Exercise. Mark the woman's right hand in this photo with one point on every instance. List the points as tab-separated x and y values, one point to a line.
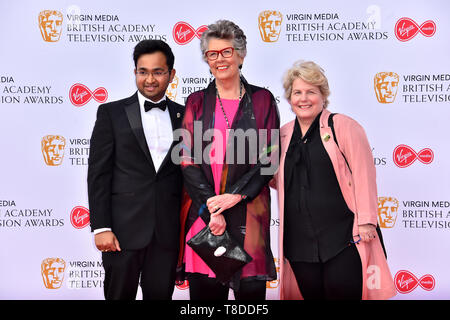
217	224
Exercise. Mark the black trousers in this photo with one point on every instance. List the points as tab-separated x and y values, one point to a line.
153	267
339	278
203	288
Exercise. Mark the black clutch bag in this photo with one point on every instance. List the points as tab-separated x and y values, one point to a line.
221	253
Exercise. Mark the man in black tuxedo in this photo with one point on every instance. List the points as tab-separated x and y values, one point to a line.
134	187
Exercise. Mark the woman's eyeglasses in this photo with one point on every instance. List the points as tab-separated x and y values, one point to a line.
214	54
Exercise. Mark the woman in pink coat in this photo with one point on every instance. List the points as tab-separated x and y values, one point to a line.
329	247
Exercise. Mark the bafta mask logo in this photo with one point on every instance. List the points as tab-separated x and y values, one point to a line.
387	211
50	24
172	89
53	149
269	23
386	85
52	271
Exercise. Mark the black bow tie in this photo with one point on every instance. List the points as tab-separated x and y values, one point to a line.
148	105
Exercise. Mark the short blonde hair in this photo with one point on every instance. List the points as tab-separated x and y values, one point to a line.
309	72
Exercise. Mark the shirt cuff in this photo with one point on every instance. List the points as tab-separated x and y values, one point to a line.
97	231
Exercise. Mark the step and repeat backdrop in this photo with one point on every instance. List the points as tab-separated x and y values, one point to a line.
387	63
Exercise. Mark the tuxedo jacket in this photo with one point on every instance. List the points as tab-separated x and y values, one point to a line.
125	192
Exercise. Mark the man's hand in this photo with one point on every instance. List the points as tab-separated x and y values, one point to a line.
106	241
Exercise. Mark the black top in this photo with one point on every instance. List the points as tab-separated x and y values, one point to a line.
318	224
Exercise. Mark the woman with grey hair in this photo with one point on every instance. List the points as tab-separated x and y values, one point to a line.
329	244
225	193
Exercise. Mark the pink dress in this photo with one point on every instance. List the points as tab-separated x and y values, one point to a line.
193	263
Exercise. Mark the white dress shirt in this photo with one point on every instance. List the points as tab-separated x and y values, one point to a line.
157	129
158	132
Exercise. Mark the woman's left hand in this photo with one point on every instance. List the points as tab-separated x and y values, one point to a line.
218	204
367	232
217	224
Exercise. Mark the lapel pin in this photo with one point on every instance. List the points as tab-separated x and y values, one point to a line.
326	137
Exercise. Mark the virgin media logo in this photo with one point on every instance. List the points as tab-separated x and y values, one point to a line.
79	94
183	32
405	282
404	156
406	29
182	285
79	217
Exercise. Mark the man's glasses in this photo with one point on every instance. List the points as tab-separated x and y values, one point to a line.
155	74
214	54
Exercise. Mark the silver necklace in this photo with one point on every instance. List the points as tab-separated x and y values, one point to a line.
221	106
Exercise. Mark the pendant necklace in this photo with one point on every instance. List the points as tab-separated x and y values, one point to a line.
221	106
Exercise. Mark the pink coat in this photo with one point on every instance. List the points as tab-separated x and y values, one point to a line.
360	193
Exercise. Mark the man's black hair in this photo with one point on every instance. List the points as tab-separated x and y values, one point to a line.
152	46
